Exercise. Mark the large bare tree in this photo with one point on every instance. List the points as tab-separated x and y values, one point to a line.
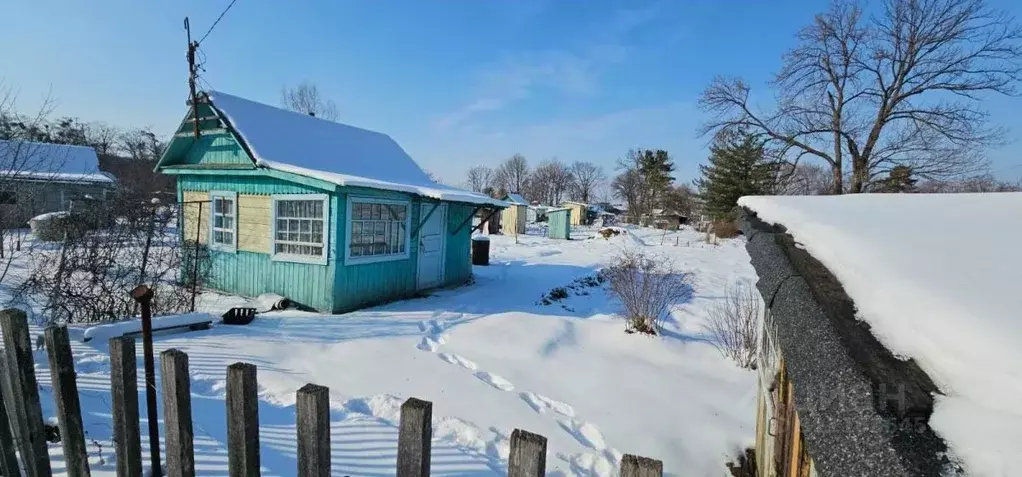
588	177
513	174
479	178
305	98
901	88
550	182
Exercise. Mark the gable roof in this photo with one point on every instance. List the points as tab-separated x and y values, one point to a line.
333	152
28	160
516	199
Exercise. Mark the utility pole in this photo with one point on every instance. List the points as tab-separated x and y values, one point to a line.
192	74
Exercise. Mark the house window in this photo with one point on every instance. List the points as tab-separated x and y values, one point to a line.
378	230
224	220
300	228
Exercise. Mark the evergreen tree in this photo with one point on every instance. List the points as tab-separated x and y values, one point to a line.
899	179
738	167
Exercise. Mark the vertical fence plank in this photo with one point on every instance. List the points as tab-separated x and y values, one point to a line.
8	458
415	434
23	393
124	393
177	414
635	466
313	406
242	420
65	395
528	455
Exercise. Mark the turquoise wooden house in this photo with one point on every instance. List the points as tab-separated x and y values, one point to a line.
559	223
331	216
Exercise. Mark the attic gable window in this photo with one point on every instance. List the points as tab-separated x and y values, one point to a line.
377	230
223	232
300	228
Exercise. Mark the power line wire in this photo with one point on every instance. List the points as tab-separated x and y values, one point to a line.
217	20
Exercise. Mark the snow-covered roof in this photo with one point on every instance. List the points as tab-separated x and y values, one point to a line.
333	152
516	199
50	162
936	276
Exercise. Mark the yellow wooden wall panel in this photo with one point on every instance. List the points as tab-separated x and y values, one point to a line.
189	212
254	223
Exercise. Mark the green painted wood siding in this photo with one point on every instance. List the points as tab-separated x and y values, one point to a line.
559	224
216	149
251	274
458	266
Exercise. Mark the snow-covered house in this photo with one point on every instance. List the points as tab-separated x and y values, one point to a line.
514	216
890	344
331	216
37	178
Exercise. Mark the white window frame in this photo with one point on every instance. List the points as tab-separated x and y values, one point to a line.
348	259
233	246
290	257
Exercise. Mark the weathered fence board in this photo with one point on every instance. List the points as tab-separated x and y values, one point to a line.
177	414
124	397
8	458
313	406
23	394
635	466
414	438
242	421
65	396
528	455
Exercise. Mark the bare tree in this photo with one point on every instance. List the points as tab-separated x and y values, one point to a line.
513	174
550	182
804	179
628	186
305	98
102	137
902	88
479	178
974	184
588	177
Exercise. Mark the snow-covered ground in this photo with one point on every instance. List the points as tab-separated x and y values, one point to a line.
490	357
937	277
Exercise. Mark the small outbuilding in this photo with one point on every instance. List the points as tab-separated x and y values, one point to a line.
513	218
40	178
579	212
559	223
332	216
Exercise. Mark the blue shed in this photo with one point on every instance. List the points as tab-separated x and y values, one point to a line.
559	223
331	216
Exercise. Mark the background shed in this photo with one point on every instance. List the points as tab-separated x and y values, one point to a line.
579	211
513	218
559	223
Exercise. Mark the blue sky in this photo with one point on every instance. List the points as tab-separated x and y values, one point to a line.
456	82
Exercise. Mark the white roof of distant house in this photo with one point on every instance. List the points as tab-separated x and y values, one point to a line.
39	161
516	199
333	152
936	276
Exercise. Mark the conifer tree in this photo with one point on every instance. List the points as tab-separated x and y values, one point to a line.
738	166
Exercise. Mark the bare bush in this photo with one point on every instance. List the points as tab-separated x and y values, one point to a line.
725	229
109	249
733	325
647	287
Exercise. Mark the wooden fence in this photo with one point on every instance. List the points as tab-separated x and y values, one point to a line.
20	407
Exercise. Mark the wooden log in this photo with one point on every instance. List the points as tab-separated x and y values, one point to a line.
8	456
414	439
65	396
124	394
242	421
177	414
528	455
313	406
635	466
23	394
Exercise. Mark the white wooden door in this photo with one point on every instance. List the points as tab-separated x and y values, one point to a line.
432	244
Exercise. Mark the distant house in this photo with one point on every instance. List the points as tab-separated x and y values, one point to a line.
331	216
889	343
37	178
665	219
514	217
579	212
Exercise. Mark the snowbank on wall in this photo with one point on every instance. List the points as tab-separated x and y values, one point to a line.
333	152
937	277
112	330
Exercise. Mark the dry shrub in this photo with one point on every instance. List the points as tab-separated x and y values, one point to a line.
86	277
733	325
726	229
609	232
647	287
